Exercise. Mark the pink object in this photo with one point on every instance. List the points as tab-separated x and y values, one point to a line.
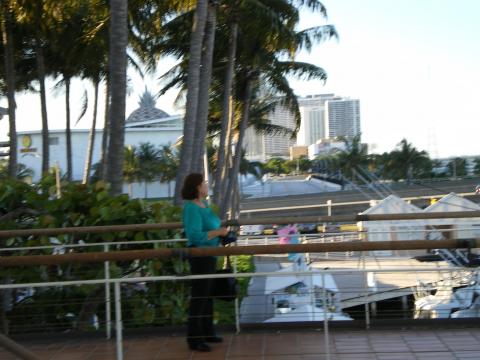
284	234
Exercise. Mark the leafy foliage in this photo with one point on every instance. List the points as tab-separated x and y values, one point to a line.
37	206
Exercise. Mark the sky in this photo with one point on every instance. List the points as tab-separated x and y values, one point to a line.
412	63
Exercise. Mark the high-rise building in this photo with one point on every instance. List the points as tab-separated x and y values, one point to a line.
261	147
342	118
313	125
323	116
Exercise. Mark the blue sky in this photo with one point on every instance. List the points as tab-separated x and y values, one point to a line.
414	65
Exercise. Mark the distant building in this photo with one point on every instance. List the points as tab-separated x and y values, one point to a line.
298	151
313	125
261	147
145	124
342	118
325	147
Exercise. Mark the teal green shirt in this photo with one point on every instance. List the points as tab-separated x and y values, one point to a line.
197	222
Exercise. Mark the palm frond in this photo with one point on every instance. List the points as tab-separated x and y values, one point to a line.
84	107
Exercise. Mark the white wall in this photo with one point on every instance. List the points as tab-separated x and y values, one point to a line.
58	152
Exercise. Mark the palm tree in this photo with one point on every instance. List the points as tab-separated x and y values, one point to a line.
204	93
169	163
68	61
457	167
118	86
95	69
33	16
149	163
353	157
194	63
406	160
225	129
131	168
7	41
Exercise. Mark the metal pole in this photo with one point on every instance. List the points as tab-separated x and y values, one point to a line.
108	305
367	308
118	321
237	312
329	207
325	318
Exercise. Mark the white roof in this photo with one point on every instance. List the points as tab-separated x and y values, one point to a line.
279	282
453	202
306	313
392	205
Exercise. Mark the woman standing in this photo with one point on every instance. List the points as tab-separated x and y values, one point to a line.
202	229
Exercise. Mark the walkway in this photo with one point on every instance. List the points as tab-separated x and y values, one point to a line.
439	344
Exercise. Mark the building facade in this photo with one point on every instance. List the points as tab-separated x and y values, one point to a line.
313	125
261	147
147	124
343	118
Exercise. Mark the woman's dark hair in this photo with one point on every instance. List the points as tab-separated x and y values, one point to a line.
190	186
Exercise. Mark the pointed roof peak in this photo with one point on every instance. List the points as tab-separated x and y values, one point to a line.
146	110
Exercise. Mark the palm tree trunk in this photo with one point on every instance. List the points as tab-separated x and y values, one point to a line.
229	78
41	79
43	104
118	83
238	147
68	132
7	39
204	92
228	161
194	62
91	137
106	125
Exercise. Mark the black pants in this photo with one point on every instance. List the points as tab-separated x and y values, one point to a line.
200	316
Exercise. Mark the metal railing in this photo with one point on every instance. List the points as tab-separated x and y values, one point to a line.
106	256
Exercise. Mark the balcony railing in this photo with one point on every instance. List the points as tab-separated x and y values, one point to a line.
327	289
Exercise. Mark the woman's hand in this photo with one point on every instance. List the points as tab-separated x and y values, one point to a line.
222	231
216	233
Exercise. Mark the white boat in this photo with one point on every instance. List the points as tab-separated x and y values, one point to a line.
448	301
303	297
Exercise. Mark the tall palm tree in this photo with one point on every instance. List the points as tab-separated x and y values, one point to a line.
33	16
193	82
225	128
204	93
7	41
118	86
95	69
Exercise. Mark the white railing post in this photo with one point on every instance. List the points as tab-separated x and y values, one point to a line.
108	305
118	321
367	307
325	317
237	310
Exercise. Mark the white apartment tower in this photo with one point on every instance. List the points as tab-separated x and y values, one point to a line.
313	125
343	118
261	147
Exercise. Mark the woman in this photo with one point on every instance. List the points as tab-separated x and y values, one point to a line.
202	228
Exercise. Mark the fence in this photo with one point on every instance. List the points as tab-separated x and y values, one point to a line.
353	296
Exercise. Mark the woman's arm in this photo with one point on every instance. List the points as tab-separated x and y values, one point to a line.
192	223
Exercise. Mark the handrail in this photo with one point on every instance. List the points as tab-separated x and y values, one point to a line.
281	221
344	203
129	255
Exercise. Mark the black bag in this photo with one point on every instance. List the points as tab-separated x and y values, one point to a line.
226	288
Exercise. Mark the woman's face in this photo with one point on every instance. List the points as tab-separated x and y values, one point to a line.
203	190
